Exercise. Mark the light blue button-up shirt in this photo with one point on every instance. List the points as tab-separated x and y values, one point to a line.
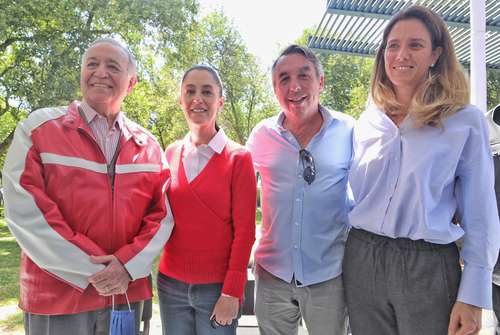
303	226
408	182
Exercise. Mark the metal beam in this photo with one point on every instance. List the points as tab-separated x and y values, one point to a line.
354	27
478	54
340	11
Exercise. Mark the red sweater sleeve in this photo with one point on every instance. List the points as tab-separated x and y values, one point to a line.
243	201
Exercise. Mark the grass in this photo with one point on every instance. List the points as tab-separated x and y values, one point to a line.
154	273
9	266
9	278
14	322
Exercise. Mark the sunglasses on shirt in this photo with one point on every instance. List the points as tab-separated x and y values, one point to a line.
307	160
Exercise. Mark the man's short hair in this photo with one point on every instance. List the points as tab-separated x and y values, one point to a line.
132	64
304	51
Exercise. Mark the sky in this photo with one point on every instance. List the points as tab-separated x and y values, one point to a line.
267	26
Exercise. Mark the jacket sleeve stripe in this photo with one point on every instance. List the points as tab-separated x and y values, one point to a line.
48	158
135	168
42	244
140	265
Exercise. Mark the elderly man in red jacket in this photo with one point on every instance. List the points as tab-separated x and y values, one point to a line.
85	198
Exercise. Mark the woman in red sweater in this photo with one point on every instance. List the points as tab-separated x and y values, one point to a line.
203	269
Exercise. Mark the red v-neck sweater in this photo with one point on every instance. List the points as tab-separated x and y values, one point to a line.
214	219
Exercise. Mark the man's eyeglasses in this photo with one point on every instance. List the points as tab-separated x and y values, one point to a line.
309	168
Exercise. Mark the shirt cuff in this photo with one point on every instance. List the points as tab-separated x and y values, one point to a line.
234	283
475	286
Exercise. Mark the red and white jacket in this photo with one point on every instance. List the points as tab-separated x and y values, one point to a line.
62	207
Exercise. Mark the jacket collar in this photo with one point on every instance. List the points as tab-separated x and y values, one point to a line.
134	131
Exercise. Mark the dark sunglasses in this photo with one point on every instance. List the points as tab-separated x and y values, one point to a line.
309	168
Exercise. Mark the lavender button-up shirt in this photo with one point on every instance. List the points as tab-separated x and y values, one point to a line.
409	182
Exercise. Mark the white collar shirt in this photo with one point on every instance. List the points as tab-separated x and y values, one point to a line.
195	158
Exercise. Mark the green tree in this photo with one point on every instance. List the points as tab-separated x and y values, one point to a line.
214	41
41	43
247	90
493	88
347	82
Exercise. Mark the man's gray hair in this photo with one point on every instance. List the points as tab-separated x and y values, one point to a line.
304	51
132	64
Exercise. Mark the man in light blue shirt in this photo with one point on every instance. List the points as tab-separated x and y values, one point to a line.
303	156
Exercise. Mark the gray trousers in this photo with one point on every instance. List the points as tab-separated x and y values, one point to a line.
87	323
399	286
279	306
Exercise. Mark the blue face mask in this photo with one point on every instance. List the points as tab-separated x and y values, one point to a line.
122	322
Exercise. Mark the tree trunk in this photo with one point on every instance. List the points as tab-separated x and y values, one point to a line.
6	143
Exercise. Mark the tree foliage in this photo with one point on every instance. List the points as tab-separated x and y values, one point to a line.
247	92
42	41
347	82
215	41
493	88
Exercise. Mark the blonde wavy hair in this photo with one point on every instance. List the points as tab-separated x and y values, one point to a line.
444	91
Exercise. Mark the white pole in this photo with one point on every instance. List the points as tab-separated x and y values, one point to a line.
478	53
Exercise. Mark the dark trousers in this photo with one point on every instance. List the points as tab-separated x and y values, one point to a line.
399	286
86	323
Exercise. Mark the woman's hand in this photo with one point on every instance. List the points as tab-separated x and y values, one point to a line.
225	310
465	319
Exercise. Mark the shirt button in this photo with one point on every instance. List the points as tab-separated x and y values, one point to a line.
295	246
296	223
298	199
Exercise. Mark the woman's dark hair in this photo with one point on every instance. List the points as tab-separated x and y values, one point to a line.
205	67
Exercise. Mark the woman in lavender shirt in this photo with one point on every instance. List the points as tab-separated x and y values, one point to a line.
422	157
